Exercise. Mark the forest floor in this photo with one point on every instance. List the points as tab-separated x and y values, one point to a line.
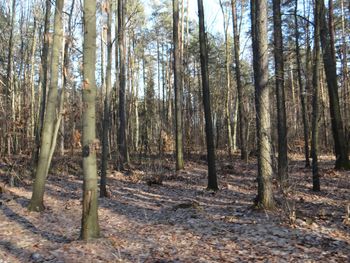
177	220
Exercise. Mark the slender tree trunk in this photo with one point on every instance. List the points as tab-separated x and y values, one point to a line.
32	85
89	226
177	86
345	73
122	135
106	114
9	81
241	113
212	179
260	61
315	99
281	108
37	200
43	80
228	82
327	42
303	96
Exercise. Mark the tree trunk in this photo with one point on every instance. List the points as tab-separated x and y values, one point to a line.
228	82
89	226
327	42
303	96
212	179
260	61
315	99
345	73
36	202
9	81
177	86
122	135
241	113
281	108
43	80
106	114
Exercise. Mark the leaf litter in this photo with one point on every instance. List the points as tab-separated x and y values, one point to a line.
156	215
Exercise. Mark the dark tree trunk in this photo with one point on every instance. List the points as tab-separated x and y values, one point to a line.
212	179
315	99
281	108
303	96
106	114
327	42
122	135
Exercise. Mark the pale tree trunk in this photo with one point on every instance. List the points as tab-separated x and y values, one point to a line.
281	108
303	97
43	81
228	82
47	142
212	179
32	84
241	112
177	86
260	61
315	99
9	81
106	114
327	42
89	226
324	107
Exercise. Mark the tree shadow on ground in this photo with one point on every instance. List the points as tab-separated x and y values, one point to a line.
25	223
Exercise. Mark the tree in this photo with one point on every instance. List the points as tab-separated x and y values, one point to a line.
230	138
315	104
241	113
330	65
89	227
212	179
106	114
47	138
303	96
279	80
9	79
43	76
263	127
177	86
122	134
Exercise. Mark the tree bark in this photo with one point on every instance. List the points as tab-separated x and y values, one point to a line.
106	115
37	202
89	226
280	95
241	113
43	79
9	81
122	135
212	179
315	99
177	86
303	96
327	42
260	61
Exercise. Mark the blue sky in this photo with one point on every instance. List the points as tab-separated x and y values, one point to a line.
212	13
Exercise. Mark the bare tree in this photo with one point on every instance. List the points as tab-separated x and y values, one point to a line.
212	179
263	126
89	224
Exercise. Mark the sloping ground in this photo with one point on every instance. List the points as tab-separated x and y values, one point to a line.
179	221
